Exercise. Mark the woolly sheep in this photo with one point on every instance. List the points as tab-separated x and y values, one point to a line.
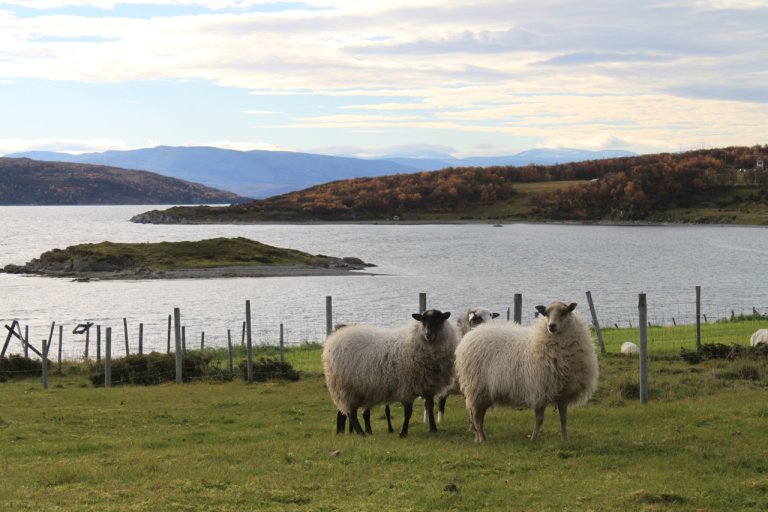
468	320
760	336
628	348
366	365
551	361
342	418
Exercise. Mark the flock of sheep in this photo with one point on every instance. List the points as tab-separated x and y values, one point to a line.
553	361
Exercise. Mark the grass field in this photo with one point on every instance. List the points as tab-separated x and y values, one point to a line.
700	444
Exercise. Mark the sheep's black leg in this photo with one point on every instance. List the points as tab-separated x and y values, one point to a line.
429	403
355	422
441	407
389	419
367	421
341	421
407	412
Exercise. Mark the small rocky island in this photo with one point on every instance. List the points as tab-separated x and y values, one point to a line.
212	258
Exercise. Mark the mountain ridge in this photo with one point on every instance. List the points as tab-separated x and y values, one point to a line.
260	173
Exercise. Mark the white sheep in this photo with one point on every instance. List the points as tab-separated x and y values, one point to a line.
366	365
760	336
629	349
468	320
552	361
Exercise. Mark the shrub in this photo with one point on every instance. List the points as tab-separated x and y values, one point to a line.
264	369
19	366
154	368
710	351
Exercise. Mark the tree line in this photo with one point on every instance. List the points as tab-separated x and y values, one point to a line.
641	186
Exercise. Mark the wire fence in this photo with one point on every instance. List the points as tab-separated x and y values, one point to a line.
671	327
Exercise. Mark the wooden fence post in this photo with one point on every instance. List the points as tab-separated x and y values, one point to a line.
87	340
242	337
328	315
249	341
26	341
61	341
168	343
202	340
45	362
422	302
598	332
125	328
98	344
108	358
229	352
141	338
50	339
518	308
698	318
643	310
282	345
178	354
184	339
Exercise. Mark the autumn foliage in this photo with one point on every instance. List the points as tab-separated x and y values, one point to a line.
642	186
627	188
398	195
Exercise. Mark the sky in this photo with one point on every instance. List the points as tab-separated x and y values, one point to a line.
369	78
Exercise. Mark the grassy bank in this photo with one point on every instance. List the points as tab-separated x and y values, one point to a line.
699	444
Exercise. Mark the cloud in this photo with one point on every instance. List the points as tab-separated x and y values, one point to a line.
240	145
74	146
493	68
588	58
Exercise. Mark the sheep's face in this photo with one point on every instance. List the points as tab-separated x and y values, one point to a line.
557	314
432	320
478	316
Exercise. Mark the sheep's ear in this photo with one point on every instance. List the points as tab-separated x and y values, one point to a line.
542	310
446	315
571	306
494	315
418	317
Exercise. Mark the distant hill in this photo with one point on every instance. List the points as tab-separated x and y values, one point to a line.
262	174
24	181
247	173
718	185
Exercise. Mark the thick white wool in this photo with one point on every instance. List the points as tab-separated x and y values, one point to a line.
366	365
505	363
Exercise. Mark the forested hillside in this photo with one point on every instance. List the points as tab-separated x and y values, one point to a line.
614	189
640	187
31	182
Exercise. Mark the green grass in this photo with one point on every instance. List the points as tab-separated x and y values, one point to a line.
699	444
671	339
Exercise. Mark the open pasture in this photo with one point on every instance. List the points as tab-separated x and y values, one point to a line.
699	444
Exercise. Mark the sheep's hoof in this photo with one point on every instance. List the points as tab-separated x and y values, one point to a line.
403	434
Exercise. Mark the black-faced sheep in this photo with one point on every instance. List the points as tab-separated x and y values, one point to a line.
552	361
467	321
366	365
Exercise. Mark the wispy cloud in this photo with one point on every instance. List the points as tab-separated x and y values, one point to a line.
529	72
73	146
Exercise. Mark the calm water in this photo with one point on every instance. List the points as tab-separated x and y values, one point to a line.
456	265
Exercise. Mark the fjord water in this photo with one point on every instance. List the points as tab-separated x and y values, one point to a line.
457	265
